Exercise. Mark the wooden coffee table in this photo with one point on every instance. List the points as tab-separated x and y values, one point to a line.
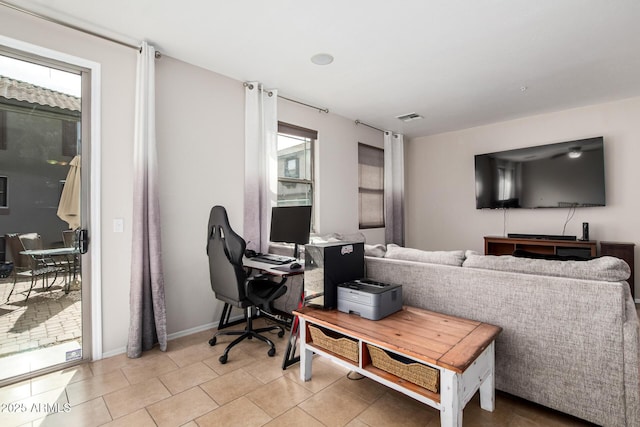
460	350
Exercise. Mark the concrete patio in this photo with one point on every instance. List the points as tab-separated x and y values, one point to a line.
47	318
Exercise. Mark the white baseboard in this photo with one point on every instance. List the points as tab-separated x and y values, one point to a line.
115	352
175	335
190	331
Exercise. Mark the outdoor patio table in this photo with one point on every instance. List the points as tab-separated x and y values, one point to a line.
51	254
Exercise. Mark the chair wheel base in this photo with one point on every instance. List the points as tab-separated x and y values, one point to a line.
223	359
271	352
212	341
280	334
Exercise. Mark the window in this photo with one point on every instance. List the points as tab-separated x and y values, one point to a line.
291	167
3	130
370	186
506	181
4	203
295	165
69	138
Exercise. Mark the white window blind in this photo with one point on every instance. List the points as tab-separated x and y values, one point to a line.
370	186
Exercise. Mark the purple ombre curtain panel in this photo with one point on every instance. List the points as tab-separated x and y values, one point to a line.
147	325
261	164
394	188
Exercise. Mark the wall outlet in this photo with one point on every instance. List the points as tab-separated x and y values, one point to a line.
118	225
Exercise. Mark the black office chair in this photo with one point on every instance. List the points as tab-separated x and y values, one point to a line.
231	284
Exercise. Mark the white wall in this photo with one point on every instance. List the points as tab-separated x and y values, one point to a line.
440	191
200	135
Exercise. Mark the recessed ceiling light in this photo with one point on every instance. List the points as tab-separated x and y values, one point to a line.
322	59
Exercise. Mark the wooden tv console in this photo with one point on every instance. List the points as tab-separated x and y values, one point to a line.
506	246
587	248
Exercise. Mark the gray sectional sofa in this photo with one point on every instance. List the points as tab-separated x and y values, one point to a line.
570	338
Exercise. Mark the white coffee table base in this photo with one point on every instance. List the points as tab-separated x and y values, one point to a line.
456	389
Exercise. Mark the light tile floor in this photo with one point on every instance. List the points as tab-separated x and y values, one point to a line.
187	386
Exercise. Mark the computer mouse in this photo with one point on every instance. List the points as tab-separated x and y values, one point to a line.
294	266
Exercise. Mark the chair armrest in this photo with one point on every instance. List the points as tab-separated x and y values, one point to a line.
260	276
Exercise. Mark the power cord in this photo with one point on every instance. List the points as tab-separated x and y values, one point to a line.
504	222
570	214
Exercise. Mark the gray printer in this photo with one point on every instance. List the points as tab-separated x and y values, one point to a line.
369	299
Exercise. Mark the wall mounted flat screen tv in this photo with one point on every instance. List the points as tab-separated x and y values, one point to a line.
563	175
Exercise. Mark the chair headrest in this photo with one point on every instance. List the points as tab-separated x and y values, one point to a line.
234	243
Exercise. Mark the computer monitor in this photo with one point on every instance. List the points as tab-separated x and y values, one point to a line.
291	224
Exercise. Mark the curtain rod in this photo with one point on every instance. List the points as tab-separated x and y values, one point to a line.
320	110
358	122
270	93
73	27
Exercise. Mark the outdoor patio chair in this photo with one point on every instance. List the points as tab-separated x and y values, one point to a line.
27	266
70	240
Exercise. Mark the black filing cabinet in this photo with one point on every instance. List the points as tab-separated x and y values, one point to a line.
326	266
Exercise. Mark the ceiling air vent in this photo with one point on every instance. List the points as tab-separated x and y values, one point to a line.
409	117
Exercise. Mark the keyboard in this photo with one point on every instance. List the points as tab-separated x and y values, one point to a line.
273	259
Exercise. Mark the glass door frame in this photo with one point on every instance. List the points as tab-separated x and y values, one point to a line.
90	196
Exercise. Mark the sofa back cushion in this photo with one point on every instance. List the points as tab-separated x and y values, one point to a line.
378	250
606	268
433	257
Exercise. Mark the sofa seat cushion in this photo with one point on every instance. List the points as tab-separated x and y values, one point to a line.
432	257
606	268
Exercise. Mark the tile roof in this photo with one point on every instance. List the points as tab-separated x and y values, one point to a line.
23	91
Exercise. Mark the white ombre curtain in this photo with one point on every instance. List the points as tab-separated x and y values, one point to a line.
147	325
261	164
394	188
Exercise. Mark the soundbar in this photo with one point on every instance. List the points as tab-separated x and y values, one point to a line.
540	236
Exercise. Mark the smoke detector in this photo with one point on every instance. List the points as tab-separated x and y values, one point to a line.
322	59
409	117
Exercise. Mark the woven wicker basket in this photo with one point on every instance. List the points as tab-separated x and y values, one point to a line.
417	373
337	343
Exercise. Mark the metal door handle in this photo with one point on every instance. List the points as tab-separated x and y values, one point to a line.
83	241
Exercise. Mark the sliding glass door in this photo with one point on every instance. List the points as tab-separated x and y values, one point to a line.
43	120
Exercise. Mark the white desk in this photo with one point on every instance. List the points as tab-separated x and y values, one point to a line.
281	270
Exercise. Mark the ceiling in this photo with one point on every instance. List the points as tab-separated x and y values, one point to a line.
458	63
